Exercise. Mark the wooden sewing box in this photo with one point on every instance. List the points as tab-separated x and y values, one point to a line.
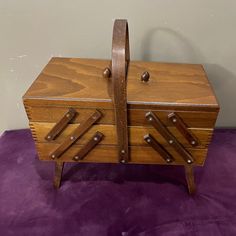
121	111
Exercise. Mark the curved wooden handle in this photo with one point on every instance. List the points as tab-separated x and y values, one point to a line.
120	62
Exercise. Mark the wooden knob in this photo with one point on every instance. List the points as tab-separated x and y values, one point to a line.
106	73
145	76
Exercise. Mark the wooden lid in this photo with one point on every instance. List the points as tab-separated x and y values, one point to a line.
74	81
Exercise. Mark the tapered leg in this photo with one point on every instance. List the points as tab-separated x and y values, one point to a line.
58	174
189	175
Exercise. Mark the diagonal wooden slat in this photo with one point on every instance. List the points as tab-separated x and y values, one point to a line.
159	148
61	124
79	131
97	137
183	129
169	137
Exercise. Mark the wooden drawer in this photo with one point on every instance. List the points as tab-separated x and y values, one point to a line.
136	134
136	117
43	119
108	154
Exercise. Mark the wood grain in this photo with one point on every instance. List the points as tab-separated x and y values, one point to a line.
76	134
91	144
159	148
181	126
82	85
136	134
108	154
135	117
60	125
169	137
120	62
80	80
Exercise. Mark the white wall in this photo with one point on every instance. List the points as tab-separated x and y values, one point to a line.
201	31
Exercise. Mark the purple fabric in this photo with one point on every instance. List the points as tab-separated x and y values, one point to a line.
106	199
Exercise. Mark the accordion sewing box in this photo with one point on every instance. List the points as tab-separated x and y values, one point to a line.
121	111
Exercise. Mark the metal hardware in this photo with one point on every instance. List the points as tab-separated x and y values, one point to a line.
79	131
122	158
106	73
88	146
159	148
148	140
145	76
157	124
61	124
183	129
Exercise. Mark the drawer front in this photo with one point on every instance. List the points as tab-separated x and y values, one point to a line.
108	154
198	124
136	134
193	119
106	150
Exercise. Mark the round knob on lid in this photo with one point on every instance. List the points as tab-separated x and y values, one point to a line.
106	73
145	76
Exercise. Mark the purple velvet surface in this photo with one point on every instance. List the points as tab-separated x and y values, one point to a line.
105	199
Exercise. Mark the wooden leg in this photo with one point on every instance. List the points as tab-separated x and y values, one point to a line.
58	174
190	178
